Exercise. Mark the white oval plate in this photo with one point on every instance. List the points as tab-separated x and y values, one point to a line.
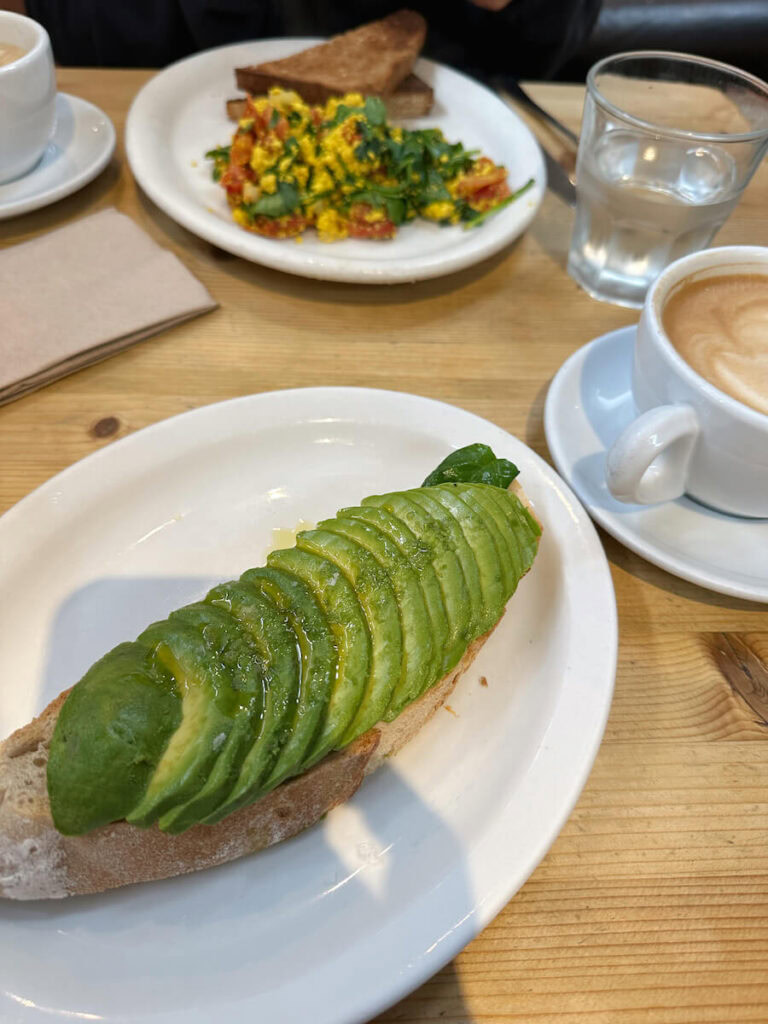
180	114
339	922
81	146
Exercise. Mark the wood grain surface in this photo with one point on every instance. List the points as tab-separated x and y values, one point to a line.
652	905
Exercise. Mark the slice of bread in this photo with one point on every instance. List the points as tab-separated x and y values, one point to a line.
412	98
373	59
37	862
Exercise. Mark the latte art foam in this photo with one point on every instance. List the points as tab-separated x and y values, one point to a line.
719	325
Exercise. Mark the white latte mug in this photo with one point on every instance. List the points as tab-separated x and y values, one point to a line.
27	96
690	437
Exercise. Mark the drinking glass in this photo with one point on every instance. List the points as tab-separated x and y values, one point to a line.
668	143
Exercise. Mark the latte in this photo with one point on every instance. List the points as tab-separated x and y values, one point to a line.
719	325
9	52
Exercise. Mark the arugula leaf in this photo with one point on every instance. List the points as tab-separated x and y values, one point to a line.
219	153
475	463
375	110
289	195
274	117
294	118
396	209
282	202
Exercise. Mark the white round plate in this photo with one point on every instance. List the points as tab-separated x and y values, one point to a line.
180	114
588	405
337	923
82	145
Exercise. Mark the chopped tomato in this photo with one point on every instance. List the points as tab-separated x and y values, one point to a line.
242	146
484	174
234	178
488	196
280	227
379	229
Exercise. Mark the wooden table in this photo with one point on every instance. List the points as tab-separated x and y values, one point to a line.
652	906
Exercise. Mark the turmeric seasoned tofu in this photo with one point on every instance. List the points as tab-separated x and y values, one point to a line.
346	172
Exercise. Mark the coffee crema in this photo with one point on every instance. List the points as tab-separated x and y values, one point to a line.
9	52
719	325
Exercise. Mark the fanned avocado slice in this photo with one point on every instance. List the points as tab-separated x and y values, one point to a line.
418	661
281	673
419	557
453	586
475	525
109	736
208	708
350	632
374	591
232	646
498	523
524	530
308	741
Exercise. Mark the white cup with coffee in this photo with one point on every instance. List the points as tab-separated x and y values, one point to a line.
27	94
700	384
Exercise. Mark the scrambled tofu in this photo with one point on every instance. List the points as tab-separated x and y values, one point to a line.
343	170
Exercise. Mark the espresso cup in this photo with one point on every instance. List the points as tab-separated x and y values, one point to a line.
27	96
690	437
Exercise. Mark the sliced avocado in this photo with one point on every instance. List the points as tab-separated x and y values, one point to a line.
418	661
233	647
350	632
432	535
523	527
208	712
109	736
482	497
277	644
317	651
373	589
497	526
473	525
419	558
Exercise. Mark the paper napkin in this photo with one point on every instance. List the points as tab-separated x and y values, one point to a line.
82	293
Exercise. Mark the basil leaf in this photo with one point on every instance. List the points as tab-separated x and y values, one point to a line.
474	463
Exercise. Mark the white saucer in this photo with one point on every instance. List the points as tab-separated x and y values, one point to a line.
81	147
589	403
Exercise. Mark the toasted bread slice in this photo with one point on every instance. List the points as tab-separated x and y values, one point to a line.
38	862
412	98
372	59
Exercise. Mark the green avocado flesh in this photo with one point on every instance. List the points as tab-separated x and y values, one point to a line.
219	703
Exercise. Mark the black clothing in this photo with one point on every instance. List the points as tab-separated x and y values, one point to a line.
527	39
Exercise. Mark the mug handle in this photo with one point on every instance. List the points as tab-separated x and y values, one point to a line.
649	462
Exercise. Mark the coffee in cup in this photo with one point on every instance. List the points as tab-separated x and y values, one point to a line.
27	94
9	52
719	325
700	387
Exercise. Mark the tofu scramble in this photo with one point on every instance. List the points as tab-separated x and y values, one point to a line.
343	170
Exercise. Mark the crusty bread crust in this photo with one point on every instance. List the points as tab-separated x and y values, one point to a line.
37	862
372	59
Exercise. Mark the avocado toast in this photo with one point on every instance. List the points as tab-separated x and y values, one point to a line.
243	718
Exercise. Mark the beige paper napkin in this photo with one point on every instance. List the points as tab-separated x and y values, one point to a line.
79	294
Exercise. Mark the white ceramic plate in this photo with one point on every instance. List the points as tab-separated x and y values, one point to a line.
180	114
81	147
339	922
589	403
